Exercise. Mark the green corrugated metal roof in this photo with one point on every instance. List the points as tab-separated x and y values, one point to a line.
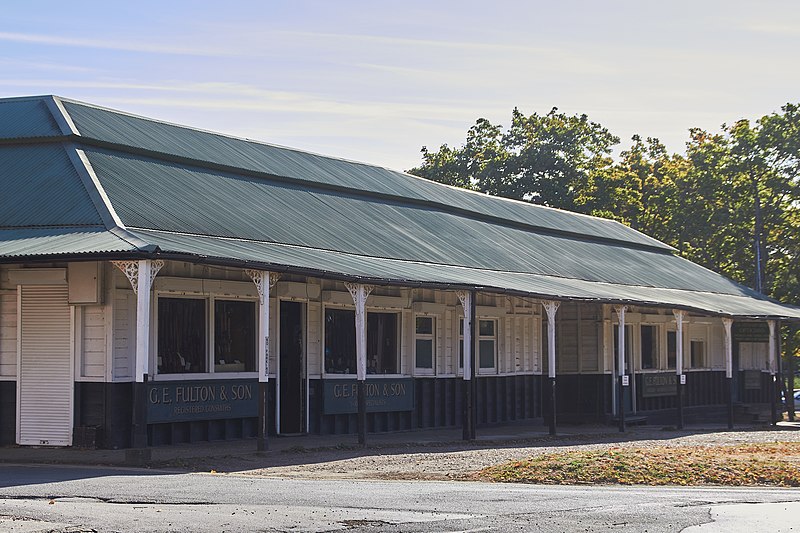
167	197
32	242
127	130
326	262
215	198
26	117
40	187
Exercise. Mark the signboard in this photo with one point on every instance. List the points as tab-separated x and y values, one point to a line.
625	380
661	384
750	332
752	379
184	401
340	396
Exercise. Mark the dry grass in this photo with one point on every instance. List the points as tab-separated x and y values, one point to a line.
775	464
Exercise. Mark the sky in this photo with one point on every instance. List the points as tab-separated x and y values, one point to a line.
375	80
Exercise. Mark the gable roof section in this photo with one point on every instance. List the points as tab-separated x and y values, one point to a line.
41	187
89	180
26	118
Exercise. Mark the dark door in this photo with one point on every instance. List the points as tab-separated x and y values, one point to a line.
292	374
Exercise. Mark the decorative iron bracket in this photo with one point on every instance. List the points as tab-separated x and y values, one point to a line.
131	271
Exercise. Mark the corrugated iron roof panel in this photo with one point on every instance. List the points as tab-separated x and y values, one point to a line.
27	242
168	197
26	117
741	303
123	129
40	187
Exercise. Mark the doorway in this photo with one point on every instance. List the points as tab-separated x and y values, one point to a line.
292	379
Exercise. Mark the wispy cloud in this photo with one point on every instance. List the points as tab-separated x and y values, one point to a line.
49	67
129	46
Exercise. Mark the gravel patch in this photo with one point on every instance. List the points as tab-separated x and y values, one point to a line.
458	460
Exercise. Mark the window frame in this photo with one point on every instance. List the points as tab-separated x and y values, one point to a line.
478	368
432	337
398	341
494	338
209	300
698	332
657	364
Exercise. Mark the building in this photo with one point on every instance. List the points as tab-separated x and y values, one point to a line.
163	284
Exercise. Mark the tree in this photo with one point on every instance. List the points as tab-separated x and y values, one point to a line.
545	159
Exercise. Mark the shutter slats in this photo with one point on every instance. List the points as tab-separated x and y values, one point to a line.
45	380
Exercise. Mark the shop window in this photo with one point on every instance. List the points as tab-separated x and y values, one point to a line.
672	349
340	342
487	343
234	336
424	342
649	338
182	336
698	354
382	354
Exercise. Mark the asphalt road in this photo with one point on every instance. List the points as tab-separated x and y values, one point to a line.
76	499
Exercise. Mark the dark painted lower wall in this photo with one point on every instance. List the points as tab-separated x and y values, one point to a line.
8	412
103	410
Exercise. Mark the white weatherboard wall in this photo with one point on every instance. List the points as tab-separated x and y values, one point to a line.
45	380
90	339
8	334
124	334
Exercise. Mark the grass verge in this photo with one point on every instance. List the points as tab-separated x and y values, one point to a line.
775	464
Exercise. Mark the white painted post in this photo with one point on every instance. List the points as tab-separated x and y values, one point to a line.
620	309
727	323
263	281
465	297
679	315
771	357
140	274
143	320
773	370
360	293
466	305
551	307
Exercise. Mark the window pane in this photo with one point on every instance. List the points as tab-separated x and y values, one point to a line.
672	343
181	335
382	343
698	354
649	346
424	325
461	353
486	328
486	352
234	336
424	353
340	341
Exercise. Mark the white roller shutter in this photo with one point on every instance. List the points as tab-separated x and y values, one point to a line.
45	379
